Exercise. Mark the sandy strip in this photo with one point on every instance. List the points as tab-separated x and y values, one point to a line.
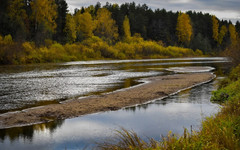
156	87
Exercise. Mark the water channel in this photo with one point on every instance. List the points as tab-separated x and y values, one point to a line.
34	85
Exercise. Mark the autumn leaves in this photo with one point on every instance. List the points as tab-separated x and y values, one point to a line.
184	28
82	26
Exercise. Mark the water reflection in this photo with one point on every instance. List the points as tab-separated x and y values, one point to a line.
27	132
184	109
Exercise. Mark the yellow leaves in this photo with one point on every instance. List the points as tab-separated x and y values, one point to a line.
27	47
233	34
184	28
8	39
16	10
126	28
105	26
45	11
222	34
84	25
215	26
70	28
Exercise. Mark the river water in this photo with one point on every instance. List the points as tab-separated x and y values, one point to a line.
33	85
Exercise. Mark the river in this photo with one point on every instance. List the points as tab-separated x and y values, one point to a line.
27	86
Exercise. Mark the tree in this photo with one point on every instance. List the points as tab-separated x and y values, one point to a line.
18	17
126	28
44	14
215	26
238	27
184	28
62	10
84	25
70	29
201	43
105	26
222	34
233	34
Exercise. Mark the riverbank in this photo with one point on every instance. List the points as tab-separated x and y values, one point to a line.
154	88
93	48
220	131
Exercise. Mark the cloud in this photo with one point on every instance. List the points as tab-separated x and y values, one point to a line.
223	9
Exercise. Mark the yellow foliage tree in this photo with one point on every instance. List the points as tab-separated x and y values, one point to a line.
84	25
215	26
106	27
18	17
126	28
16	11
44	12
222	34
233	34
70	28
184	28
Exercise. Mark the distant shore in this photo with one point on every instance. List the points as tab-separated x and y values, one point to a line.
155	88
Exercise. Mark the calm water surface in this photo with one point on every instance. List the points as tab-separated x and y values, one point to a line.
27	86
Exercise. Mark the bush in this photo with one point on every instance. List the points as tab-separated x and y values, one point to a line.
229	87
8	39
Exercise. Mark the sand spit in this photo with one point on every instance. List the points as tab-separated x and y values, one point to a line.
154	88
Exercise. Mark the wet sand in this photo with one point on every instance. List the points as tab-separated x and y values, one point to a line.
154	88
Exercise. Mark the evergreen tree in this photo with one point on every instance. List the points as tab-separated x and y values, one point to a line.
62	10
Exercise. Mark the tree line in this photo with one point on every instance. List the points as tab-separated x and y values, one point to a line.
45	21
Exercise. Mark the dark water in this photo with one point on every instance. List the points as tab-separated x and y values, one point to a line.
185	109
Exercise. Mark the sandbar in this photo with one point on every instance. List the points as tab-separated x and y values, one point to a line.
154	88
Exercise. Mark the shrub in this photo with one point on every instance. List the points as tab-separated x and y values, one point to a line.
8	39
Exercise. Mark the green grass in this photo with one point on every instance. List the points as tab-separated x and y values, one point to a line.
218	132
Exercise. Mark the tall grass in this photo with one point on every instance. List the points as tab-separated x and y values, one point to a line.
218	132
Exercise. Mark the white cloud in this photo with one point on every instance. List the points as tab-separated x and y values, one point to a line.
179	1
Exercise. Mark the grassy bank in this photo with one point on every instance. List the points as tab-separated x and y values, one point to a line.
89	49
221	131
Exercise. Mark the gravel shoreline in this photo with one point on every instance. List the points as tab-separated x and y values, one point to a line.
154	88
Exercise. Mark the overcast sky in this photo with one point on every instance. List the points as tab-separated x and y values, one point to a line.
223	9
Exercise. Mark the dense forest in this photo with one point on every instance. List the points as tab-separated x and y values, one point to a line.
33	31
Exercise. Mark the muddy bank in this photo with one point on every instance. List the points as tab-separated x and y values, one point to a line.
156	87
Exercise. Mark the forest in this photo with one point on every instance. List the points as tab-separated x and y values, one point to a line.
36	31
